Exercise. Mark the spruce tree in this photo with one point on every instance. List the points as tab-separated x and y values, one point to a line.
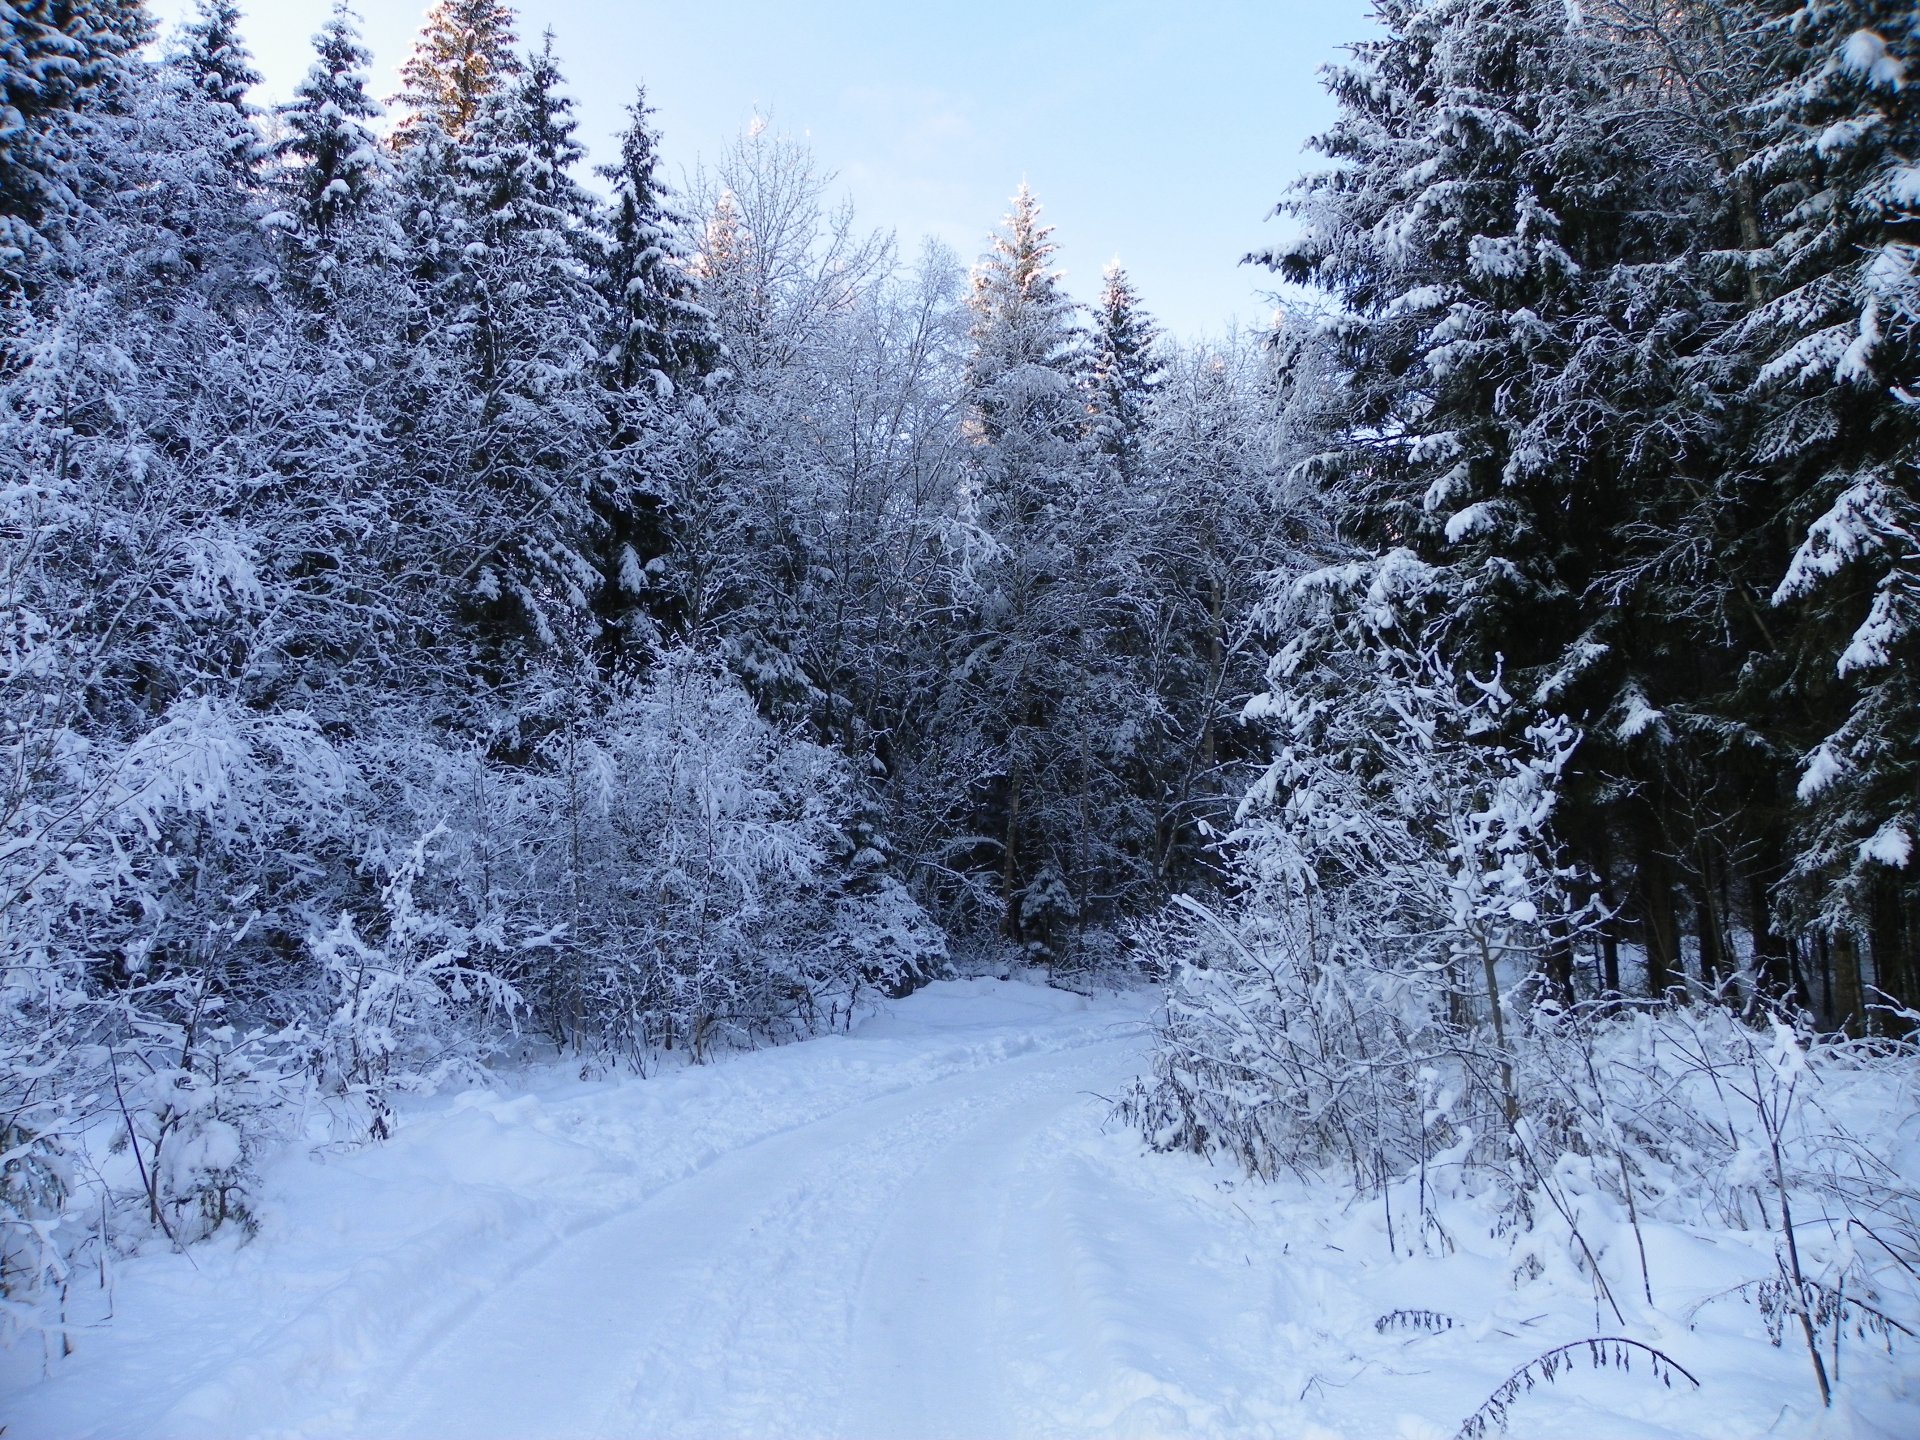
525	319
1540	252
1839	440
659	341
661	335
1041	677
1123	367
57	60
331	161
216	60
464	53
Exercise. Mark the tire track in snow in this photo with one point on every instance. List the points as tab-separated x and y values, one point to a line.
844	1277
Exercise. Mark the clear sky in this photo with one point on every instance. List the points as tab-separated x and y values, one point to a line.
1154	131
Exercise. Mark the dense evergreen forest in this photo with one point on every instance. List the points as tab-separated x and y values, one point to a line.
457	601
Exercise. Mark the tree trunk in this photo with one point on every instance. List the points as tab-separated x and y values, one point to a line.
1010	864
1848	1012
1659	925
1771	962
1892	943
1708	927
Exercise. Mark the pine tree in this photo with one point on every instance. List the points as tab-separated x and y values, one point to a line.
1042	677
659	340
332	162
464	53
661	335
1840	437
526	319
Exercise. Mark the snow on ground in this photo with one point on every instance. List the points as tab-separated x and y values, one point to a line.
925	1229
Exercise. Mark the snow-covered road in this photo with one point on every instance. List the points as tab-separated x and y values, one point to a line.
875	1235
848	1276
925	1229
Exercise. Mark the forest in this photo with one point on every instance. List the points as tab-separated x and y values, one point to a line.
463	604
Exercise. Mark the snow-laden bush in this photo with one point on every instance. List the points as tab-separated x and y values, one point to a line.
1390	1002
199	1098
395	1021
710	878
1402	886
1584	1124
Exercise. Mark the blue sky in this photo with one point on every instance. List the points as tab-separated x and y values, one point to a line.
1157	133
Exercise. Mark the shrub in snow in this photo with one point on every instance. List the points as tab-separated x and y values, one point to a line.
395	999
1391	998
1590	1122
710	877
198	1100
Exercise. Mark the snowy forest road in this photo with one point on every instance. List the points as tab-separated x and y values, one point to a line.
922	1229
850	1276
928	1229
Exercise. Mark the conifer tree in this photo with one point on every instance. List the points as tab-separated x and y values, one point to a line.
659	339
1123	366
546	127
1528	337
1839	398
332	162
526	320
661	335
57	58
1041	676
464	53
216	60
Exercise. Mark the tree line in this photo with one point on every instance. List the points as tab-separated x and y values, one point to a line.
1624	313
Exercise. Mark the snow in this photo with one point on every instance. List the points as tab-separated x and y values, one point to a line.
927	1228
1641	715
1822	769
1865	53
1891	845
1470	521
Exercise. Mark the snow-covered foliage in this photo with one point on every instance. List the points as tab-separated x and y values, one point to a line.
1583	869
313	791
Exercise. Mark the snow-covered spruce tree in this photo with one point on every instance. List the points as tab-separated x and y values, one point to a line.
464	53
507	427
660	335
215	59
59	61
660	347
1534	241
1840	400
1444	238
1123	365
1034	649
330	162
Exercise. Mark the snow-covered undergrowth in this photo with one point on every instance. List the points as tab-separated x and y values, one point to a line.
929	1227
1674	1181
678	875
